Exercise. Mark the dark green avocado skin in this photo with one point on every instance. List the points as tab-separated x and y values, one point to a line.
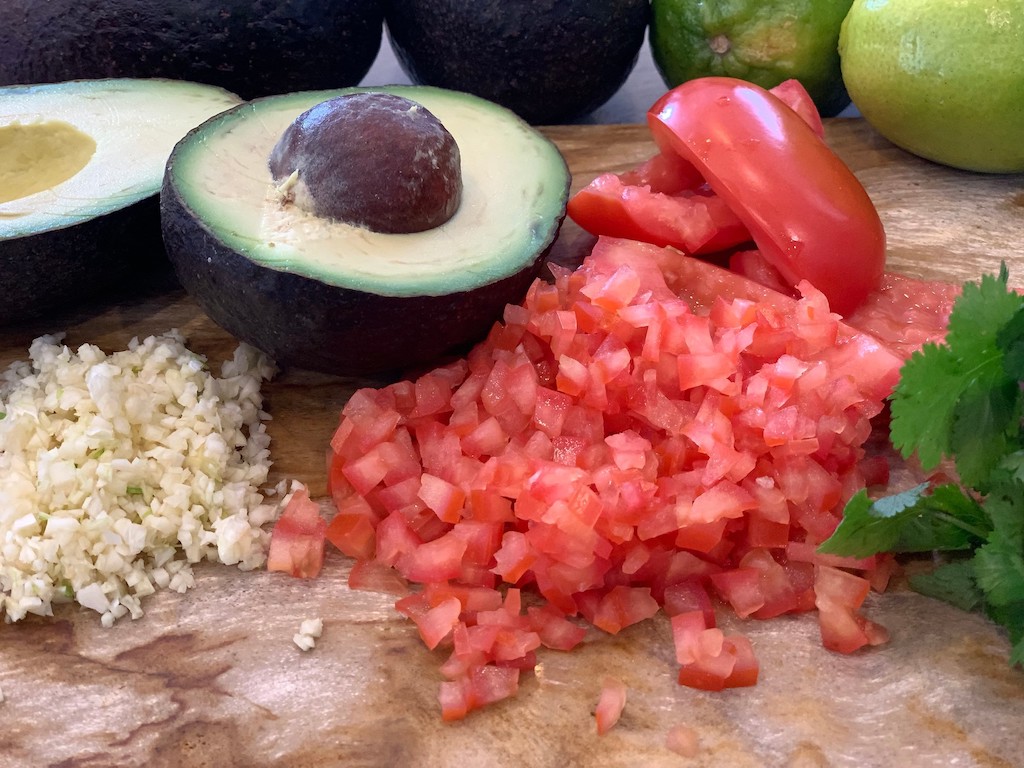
550	61
52	271
250	47
311	325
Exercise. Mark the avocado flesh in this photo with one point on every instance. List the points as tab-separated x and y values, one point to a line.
80	166
40	156
132	124
512	199
318	294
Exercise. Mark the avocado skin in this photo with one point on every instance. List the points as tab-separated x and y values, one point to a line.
550	61
318	327
54	270
250	47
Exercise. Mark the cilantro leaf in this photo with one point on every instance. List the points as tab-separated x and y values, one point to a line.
911	521
999	570
961	400
1010	340
923	402
986	420
1011	617
953	583
865	530
934	379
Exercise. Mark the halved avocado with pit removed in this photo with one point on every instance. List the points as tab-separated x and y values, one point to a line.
320	292
80	167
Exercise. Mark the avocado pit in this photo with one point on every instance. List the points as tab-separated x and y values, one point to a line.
374	160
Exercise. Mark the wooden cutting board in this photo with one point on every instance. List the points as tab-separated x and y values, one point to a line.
211	678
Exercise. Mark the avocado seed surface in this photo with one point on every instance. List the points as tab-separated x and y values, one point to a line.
373	160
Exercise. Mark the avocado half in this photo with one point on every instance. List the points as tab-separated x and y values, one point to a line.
80	167
319	294
249	47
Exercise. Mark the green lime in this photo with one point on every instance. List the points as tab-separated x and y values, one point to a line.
763	41
943	79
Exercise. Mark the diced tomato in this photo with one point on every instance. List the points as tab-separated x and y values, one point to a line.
709	659
610	703
683	740
443	498
435	622
374	576
554	629
641	431
622	606
297	541
839	596
437	560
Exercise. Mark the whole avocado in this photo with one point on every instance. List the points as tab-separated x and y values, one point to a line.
252	48
550	61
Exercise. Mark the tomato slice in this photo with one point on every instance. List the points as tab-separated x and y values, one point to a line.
666	173
793	94
809	215
297	541
690	221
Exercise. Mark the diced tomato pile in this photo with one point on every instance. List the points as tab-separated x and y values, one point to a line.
648	432
617	450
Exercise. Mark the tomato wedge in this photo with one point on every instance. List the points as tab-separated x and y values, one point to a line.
692	222
809	215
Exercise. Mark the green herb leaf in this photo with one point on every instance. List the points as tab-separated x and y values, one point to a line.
986	420
953	583
961	400
911	521
867	528
999	570
1011	617
933	381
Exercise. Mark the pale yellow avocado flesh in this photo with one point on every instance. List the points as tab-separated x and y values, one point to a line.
39	156
71	151
513	196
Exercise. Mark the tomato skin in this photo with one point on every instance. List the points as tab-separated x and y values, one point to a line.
796	97
809	215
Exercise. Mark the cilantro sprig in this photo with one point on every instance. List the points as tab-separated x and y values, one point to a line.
960	400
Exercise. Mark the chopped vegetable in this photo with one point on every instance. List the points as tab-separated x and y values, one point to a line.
610	703
309	631
960	400
683	740
809	215
736	164
119	471
297	541
616	450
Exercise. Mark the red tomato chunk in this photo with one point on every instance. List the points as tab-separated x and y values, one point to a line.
297	542
616	450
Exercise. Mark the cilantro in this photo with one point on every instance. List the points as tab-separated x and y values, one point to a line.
961	400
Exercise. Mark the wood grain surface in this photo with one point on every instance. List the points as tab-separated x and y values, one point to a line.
211	678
